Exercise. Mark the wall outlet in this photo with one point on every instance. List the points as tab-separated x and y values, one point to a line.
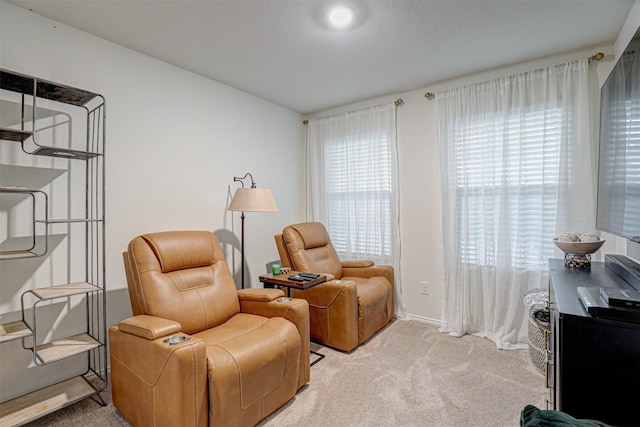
424	288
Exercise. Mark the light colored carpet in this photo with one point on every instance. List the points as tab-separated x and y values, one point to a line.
409	374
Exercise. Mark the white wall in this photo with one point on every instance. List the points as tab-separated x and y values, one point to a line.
420	200
175	140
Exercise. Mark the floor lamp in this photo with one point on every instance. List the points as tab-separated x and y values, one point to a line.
250	200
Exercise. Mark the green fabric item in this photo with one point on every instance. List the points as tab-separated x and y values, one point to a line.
534	417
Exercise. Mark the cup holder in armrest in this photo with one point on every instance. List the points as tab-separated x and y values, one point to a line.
176	339
283	299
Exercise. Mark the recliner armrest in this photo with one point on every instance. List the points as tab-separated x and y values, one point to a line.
260	294
149	327
384	270
357	264
273	303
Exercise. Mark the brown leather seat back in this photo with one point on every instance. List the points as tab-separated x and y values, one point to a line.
310	249
285	258
182	276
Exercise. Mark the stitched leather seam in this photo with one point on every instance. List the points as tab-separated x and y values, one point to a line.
162	367
284	341
240	371
289	308
194	372
135	287
175	285
330	302
204	310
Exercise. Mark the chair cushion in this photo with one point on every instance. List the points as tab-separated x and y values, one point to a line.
531	416
197	297
313	234
180	250
311	250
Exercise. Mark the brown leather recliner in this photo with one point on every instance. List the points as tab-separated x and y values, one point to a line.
356	301
197	351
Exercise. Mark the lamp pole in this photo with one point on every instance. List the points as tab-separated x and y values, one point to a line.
253	185
250	200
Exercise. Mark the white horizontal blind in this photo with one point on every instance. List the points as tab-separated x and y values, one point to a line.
358	184
507	178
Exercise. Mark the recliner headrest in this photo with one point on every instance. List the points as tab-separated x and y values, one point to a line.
314	234
179	250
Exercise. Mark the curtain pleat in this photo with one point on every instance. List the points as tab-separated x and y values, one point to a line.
517	170
352	185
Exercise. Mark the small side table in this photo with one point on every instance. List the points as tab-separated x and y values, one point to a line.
281	280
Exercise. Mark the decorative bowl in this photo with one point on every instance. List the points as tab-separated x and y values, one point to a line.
578	247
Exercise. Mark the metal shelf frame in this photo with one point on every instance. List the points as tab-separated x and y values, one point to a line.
88	294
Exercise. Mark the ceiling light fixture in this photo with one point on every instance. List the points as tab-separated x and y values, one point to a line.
340	16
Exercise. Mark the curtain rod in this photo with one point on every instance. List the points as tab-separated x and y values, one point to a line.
398	102
597	57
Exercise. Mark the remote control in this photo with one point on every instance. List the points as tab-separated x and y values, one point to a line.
296	278
310	275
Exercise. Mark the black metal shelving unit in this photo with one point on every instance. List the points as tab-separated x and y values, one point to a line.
89	291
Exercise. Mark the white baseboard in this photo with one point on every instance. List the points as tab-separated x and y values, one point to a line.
435	322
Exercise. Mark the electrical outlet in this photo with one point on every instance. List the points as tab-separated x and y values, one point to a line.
424	288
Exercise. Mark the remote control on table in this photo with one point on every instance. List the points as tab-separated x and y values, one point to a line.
296	278
310	275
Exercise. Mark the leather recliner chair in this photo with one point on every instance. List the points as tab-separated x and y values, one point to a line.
197	351
356	301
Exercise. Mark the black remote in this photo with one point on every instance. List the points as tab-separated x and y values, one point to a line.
296	278
310	275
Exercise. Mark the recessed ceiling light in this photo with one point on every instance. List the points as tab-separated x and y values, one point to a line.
340	16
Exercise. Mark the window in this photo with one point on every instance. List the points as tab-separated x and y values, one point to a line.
353	180
506	175
358	202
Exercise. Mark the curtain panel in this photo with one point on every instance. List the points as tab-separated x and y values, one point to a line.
352	185
516	157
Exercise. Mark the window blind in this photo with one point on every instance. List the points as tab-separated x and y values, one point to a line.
507	177
358	201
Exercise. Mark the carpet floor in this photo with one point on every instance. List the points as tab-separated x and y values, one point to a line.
409	374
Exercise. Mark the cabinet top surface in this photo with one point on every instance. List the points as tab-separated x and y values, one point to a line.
564	281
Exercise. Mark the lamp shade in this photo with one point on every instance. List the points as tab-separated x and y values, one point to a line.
253	200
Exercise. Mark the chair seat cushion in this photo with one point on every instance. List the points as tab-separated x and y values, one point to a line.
252	351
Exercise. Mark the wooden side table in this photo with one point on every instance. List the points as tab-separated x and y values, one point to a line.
281	280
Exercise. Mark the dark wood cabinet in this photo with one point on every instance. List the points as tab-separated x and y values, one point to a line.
594	363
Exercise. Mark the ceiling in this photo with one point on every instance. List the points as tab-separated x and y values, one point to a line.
283	51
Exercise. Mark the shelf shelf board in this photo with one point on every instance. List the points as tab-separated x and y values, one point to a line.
15	135
17	255
67	221
44	401
65	153
60	291
66	347
21	83
21	190
30	176
13	331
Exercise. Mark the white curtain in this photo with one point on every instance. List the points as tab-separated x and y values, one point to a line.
517	170
352	185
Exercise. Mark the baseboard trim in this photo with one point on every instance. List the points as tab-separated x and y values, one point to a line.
424	319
